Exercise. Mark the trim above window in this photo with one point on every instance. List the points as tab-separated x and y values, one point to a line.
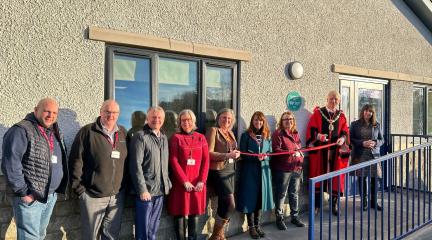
167	44
338	68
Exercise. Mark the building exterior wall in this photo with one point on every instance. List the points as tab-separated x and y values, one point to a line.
45	51
402	107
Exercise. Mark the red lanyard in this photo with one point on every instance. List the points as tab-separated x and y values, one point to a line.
113	144
50	140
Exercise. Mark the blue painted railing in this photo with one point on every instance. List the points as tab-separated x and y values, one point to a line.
406	204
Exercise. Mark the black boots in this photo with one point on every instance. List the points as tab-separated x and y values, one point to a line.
373	201
280	223
180	223
335	207
192	227
296	221
180	227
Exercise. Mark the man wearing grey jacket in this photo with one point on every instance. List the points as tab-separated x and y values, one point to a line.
148	156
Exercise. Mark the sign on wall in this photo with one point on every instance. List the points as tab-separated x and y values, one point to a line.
293	101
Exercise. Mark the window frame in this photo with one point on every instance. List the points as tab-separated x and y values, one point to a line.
425	89
154	55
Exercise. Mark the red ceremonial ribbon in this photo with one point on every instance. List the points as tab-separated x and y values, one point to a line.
289	153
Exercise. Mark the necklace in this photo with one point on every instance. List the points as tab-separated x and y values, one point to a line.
331	120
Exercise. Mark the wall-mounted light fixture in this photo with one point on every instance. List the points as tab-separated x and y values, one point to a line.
295	70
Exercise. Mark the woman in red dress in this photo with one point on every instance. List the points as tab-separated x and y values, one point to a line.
189	162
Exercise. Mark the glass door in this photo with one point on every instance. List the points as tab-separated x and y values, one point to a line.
355	94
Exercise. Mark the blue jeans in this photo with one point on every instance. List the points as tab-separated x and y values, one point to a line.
147	217
32	219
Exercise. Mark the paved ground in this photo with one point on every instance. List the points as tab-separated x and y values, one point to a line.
362	225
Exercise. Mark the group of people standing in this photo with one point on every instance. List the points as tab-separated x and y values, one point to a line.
103	156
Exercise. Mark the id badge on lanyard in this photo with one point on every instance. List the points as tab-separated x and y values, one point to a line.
191	162
114	153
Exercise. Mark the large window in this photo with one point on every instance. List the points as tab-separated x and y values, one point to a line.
138	79
422	110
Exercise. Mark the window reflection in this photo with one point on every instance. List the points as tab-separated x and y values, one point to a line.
429	112
131	86
418	110
219	92
374	98
178	89
345	102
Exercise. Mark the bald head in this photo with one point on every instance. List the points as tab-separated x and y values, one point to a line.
109	113
46	112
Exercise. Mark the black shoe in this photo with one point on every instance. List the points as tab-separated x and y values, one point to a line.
259	230
365	205
280	223
297	222
335	209
376	206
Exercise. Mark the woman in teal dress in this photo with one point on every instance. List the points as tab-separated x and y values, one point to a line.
254	192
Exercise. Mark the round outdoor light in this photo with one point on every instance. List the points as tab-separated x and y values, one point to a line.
295	70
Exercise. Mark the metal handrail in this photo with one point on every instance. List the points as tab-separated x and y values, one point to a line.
387	159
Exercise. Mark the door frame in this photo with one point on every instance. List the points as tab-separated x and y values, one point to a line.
385	124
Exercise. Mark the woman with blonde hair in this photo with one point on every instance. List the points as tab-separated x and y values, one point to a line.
189	162
223	154
254	192
366	139
287	169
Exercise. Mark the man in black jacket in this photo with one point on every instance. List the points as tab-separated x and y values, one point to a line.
97	163
34	162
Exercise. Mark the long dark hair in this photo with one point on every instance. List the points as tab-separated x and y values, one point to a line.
265	128
368	107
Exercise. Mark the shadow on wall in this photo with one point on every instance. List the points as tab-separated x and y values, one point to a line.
413	19
6	223
3	130
302	118
272	121
68	125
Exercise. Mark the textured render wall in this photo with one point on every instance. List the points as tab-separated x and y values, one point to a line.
44	52
402	107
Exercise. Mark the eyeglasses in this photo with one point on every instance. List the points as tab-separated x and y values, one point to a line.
109	113
288	119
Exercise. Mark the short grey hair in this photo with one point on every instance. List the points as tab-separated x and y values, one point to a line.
107	102
226	110
155	109
186	112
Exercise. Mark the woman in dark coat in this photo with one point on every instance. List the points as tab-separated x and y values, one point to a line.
366	139
254	192
189	162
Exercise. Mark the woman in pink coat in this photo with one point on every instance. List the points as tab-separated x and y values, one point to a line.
189	162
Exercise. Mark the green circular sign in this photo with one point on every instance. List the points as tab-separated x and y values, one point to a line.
294	101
